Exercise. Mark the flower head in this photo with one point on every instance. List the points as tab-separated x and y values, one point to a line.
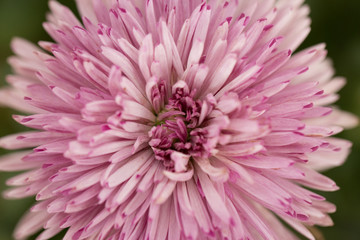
174	120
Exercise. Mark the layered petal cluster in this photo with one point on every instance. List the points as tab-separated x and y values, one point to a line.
174	119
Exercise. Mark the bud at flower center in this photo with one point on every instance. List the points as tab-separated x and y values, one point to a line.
180	126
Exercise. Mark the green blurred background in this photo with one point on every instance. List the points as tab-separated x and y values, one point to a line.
334	22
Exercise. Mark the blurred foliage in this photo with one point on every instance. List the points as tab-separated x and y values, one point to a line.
334	22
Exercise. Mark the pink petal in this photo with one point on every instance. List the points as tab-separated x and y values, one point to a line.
213	198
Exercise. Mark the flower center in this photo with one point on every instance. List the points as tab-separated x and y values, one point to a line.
180	129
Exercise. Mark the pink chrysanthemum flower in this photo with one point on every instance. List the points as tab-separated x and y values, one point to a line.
175	119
